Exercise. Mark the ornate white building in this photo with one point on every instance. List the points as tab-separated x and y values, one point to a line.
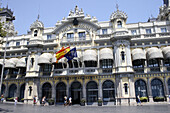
116	61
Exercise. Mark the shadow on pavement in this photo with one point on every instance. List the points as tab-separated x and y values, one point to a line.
5	110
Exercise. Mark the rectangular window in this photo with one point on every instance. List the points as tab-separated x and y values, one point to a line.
133	32
17	43
48	37
70	36
82	35
104	31
148	31
163	30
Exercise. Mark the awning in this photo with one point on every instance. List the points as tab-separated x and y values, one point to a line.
90	55
166	52
106	53
21	62
63	60
138	54
45	58
153	53
11	63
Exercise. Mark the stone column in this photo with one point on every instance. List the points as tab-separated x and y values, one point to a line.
130	91
121	87
84	88
53	91
6	90
67	92
98	58
149	90
166	91
18	90
128	57
100	89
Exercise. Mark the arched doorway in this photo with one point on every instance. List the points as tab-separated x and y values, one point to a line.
22	91
169	85
12	91
108	91
157	88
92	92
141	88
47	90
3	89
60	92
76	92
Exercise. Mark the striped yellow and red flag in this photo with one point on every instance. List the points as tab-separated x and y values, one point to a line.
60	54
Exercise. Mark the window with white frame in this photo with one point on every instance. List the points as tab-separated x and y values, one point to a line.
17	43
119	24
82	35
133	32
48	37
104	31
163	30
148	31
70	36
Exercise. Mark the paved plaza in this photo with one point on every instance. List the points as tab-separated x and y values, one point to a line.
11	108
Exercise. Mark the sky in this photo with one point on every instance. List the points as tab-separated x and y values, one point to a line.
51	11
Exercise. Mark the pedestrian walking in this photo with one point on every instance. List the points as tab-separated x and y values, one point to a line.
65	100
2	98
43	101
70	101
138	100
15	101
35	100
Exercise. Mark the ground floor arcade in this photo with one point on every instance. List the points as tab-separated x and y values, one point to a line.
112	89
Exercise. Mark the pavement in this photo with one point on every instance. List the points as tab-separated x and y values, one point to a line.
24	108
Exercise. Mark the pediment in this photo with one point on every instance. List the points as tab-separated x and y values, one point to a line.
82	24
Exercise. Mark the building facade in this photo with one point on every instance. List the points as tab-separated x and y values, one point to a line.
115	61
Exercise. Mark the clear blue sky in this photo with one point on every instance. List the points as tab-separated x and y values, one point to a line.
51	11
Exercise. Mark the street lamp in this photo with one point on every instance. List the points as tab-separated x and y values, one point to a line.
3	64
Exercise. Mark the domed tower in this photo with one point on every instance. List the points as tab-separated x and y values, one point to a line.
118	20
122	57
164	10
35	47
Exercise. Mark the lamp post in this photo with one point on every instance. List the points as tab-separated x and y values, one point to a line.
3	65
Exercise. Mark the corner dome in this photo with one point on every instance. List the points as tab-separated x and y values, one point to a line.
118	15
37	24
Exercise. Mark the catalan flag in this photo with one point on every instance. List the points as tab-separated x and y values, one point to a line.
60	54
71	54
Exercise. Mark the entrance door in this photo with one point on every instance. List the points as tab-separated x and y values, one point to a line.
76	92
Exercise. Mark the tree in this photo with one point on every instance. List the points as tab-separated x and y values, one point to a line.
3	33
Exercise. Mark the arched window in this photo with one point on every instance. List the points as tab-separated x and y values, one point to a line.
169	85
108	91
126	88
157	88
92	92
60	92
22	90
35	33
119	24
12	91
123	55
47	90
141	88
76	92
